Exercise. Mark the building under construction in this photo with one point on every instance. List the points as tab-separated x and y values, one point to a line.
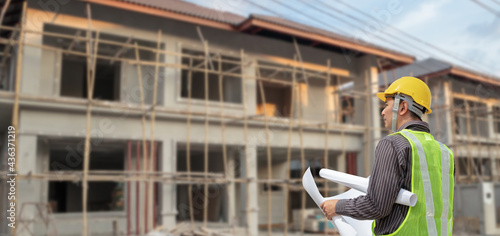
141	115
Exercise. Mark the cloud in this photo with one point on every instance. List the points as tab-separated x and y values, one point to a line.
422	16
485	29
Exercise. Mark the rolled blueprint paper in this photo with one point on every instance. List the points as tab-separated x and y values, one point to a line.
363	227
312	189
351	181
404	197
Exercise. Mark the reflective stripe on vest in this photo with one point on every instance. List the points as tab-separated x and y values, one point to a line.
429	201
445	165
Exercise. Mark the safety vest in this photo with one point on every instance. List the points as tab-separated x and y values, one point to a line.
432	180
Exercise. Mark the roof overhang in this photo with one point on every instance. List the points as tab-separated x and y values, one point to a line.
398	58
474	76
463	73
163	13
348	44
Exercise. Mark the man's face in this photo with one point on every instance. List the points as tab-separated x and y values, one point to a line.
387	113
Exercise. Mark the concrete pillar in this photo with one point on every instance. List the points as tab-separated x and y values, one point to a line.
168	191
251	194
491	124
27	191
489	209
492	135
32	57
250	88
449	119
172	76
367	110
341	166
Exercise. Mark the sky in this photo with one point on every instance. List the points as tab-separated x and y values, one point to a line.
460	32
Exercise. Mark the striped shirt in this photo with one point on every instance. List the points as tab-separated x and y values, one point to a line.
390	173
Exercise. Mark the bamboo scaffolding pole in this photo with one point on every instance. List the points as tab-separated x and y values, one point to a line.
454	130
289	148
143	225
302	155
342	133
138	177
91	65
155	164
129	196
146	189
138	188
205	147
15	108
470	160
223	136
478	147
245	135
327	124
188	145
268	152
327	135
301	131
153	126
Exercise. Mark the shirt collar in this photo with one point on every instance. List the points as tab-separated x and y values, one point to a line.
415	124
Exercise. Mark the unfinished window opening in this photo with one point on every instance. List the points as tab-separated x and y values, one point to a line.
278	100
66	196
347	109
279	95
497	168
463	166
74	79
483	166
7	69
475	167
109	66
496	119
217	212
471	116
231	80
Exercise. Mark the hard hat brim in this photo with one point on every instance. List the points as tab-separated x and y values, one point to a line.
381	96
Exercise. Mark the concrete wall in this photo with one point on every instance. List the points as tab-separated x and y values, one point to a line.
277	197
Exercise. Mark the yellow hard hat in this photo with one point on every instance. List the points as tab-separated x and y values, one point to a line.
412	87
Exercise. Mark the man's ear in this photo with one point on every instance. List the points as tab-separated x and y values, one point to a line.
404	108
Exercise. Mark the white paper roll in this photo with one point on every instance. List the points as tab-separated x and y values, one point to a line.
351	181
311	188
404	197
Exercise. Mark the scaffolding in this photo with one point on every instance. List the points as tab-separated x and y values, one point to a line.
149	176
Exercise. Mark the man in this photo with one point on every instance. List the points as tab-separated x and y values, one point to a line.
408	159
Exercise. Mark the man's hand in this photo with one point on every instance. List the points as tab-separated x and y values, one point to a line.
328	208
